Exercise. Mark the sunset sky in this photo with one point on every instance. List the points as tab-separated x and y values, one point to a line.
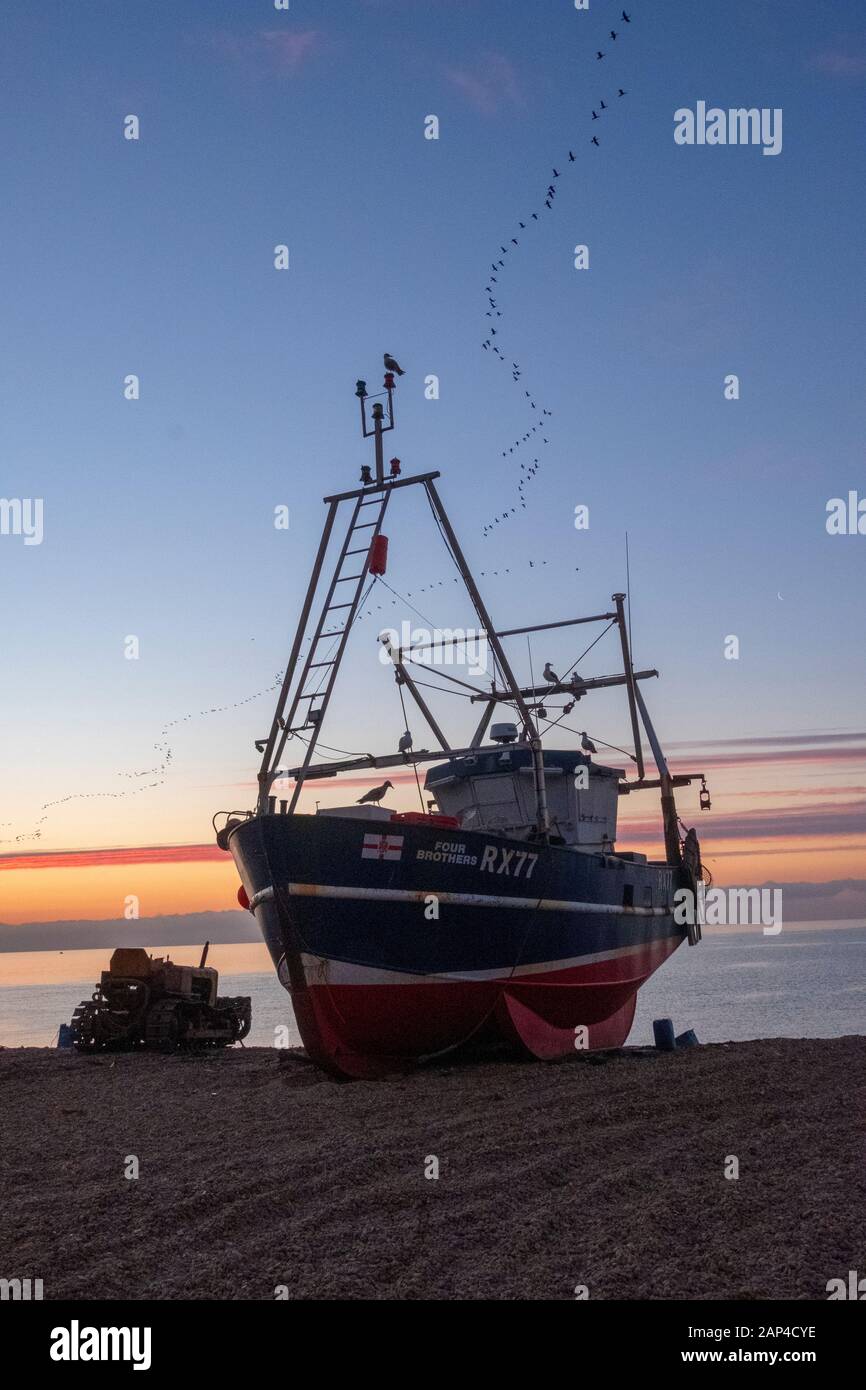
156	257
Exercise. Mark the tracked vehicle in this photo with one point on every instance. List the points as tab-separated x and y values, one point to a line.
141	1002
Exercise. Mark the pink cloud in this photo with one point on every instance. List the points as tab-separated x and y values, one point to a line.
289	50
491	84
281	50
131	854
841	62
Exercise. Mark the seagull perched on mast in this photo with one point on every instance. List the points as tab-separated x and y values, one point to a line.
550	675
374	794
392	365
587	744
405	744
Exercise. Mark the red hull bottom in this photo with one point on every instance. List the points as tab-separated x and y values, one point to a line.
370	1029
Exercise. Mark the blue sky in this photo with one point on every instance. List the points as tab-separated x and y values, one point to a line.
259	127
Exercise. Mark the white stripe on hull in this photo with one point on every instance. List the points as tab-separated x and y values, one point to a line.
419	895
321	970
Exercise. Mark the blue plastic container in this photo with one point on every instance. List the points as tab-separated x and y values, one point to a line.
688	1039
64	1036
663	1034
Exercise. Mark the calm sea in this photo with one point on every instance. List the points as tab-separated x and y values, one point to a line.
808	982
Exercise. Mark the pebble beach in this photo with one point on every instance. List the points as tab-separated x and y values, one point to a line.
608	1176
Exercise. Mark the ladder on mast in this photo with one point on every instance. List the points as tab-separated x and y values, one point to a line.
318	671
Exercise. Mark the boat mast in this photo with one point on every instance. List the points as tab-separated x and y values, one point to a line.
532	734
669	806
628	670
375	492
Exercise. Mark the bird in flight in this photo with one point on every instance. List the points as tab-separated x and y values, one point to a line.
375	793
392	365
621	93
535	216
599	55
523	225
603	105
594	140
570	157
587	744
549	674
556	173
595	115
626	17
613	35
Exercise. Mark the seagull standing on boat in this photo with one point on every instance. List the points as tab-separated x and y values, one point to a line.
587	744
392	365
374	794
549	674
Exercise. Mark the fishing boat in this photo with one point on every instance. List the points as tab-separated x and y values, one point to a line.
502	912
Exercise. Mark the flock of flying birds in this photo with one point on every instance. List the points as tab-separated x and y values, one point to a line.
537	429
528	472
159	772
440	583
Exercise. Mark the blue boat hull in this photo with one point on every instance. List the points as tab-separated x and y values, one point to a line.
400	940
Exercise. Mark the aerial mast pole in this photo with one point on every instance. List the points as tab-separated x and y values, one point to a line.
377	413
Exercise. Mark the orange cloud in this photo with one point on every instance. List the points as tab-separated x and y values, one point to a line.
102	891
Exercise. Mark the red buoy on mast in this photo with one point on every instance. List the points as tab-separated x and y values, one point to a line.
379	555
